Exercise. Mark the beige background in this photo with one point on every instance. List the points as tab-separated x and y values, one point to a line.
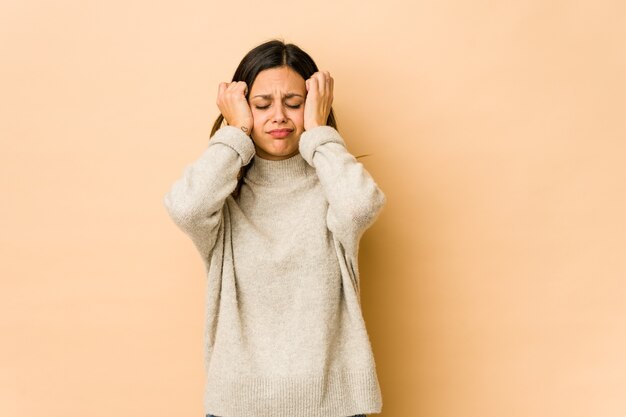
493	282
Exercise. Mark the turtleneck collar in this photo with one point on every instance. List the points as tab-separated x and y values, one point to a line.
268	172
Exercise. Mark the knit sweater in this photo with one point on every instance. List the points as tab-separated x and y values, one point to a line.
284	331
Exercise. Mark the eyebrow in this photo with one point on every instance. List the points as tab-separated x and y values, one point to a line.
269	96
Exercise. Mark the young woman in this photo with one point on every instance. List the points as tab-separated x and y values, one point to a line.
276	207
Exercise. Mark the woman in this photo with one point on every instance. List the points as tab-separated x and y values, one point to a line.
276	207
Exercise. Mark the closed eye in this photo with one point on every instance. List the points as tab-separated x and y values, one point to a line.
297	106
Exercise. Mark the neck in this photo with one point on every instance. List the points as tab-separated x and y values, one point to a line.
284	171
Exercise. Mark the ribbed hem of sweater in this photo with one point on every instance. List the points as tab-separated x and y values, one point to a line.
337	394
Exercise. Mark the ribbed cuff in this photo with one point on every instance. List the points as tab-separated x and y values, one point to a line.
237	140
311	139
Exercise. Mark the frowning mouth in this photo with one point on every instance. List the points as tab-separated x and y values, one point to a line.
280	133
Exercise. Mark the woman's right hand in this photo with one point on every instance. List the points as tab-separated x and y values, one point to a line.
231	100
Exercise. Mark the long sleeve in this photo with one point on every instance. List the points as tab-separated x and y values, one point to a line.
353	197
195	201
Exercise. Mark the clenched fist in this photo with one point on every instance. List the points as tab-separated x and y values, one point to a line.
231	100
319	99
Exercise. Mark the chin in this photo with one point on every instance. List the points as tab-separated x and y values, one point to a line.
277	149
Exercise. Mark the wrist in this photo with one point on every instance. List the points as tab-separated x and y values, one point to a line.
312	126
241	126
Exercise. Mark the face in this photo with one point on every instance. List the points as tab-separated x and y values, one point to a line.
277	102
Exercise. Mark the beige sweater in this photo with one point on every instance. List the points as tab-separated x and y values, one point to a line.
285	335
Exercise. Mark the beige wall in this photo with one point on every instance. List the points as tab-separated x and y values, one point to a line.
493	282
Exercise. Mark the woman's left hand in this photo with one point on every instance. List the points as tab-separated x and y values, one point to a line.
318	100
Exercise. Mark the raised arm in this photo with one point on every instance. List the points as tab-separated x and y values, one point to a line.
195	201
353	197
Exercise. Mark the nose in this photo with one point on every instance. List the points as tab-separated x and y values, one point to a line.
279	114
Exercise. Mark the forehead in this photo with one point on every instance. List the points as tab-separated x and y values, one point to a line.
280	79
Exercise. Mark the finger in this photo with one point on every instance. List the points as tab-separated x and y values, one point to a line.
237	89
321	83
329	86
243	87
316	77
235	85
221	88
313	85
